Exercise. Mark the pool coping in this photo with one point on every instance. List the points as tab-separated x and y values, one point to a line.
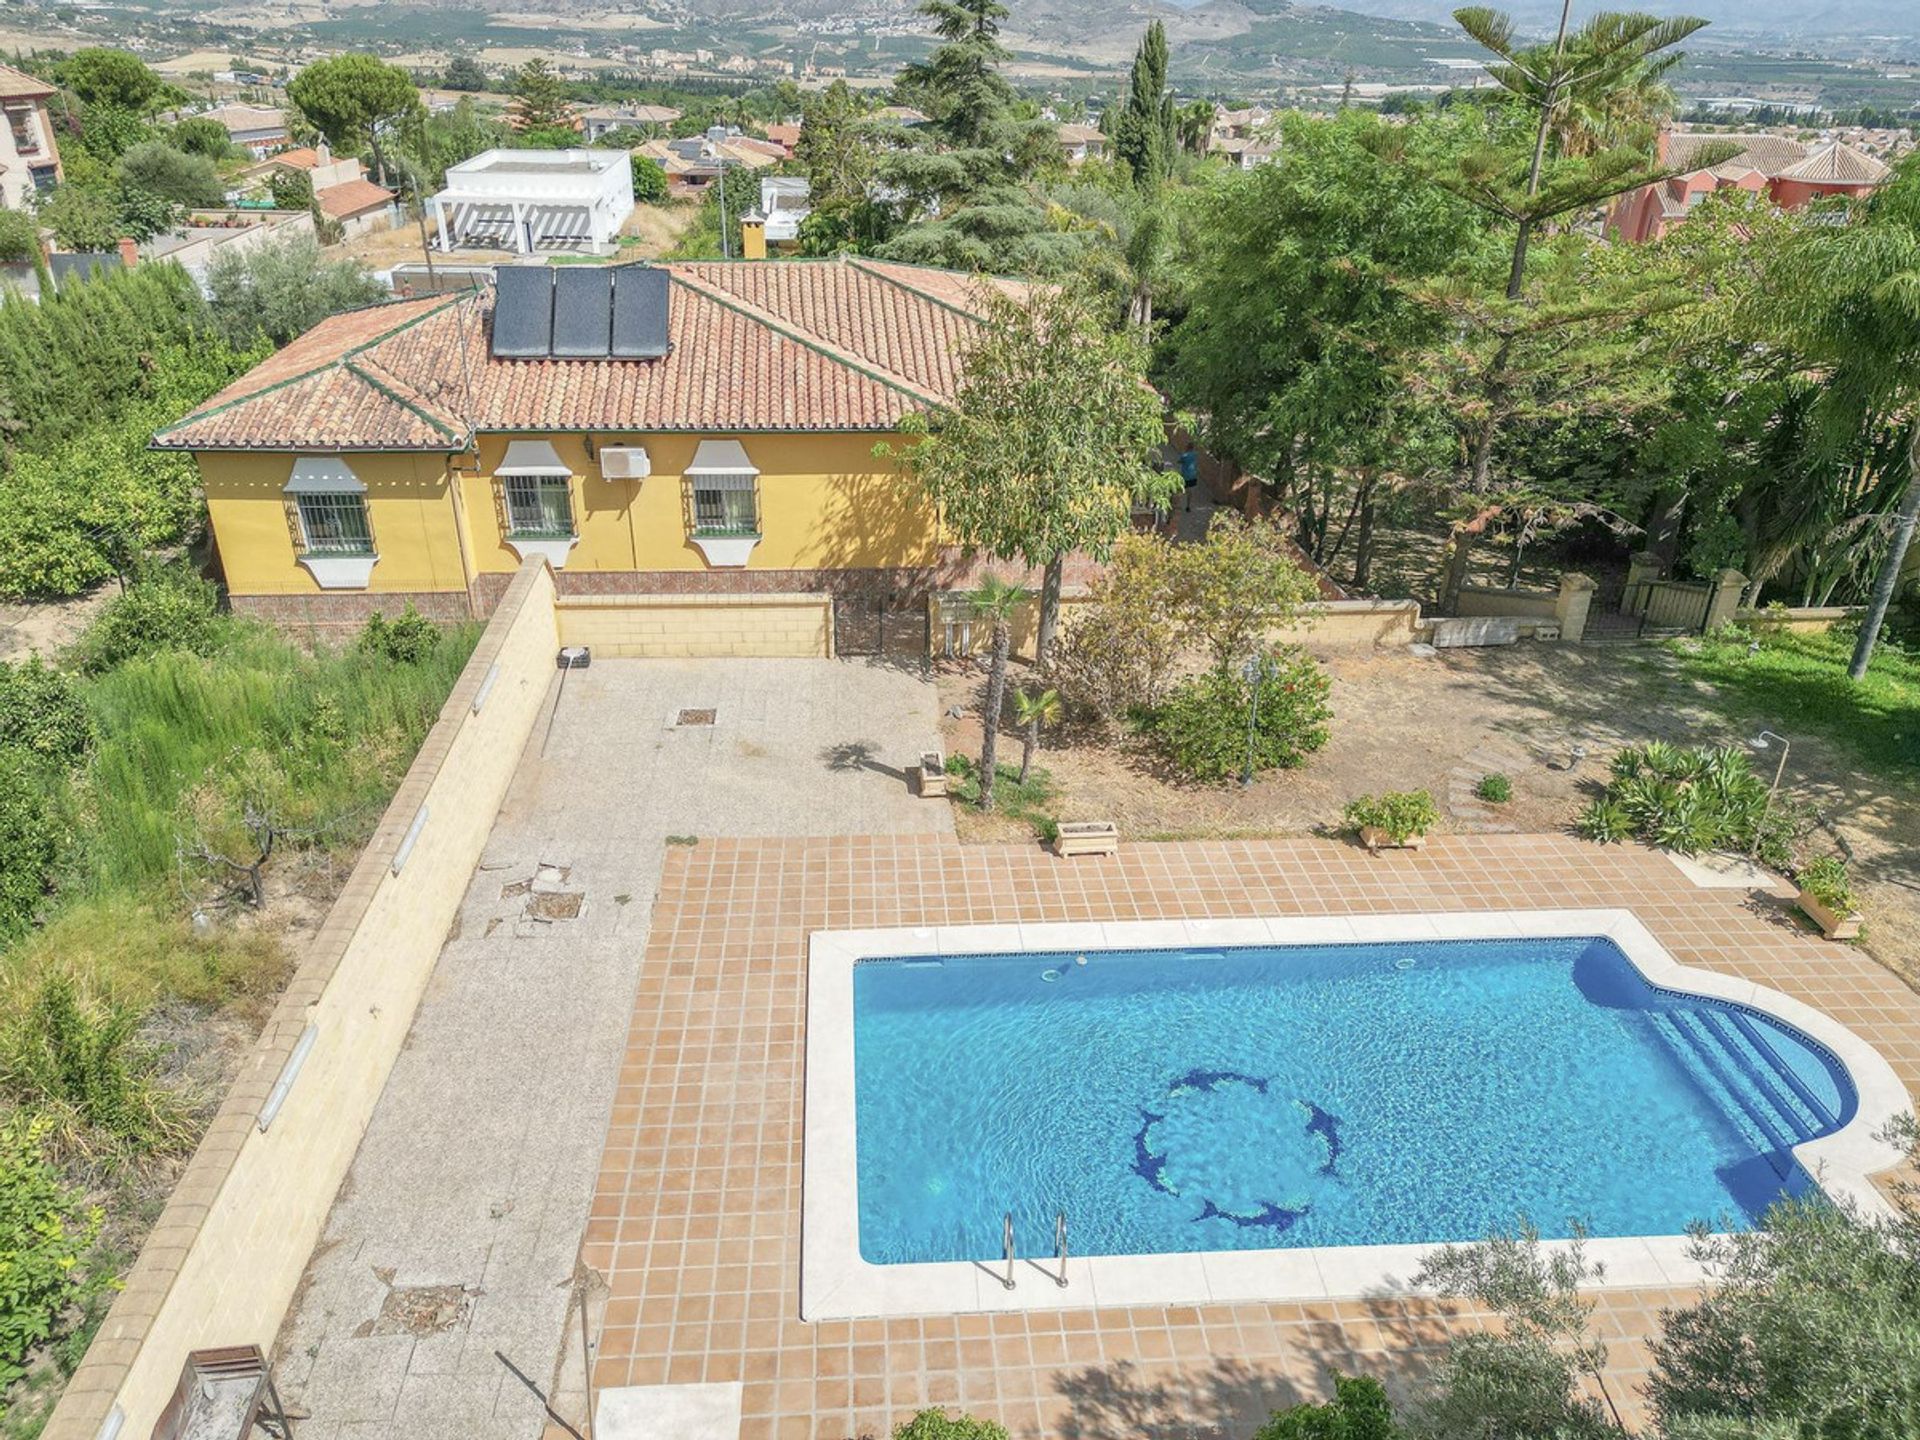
837	1283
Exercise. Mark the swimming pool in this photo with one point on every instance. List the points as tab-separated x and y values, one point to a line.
1315	1095
1289	1108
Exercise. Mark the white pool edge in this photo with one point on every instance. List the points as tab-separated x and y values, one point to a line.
836	1283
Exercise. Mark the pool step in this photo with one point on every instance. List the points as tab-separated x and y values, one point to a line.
1745	1080
1749	1045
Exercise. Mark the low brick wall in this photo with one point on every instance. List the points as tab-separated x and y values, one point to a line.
1355	625
1521	604
223	1263
340	613
684	626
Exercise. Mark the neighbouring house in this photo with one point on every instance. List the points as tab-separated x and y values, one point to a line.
695	162
1244	154
1787	171
22	278
600	119
207	233
258	129
29	153
528	200
1238	124
680	435
1082	143
785	200
901	115
786	136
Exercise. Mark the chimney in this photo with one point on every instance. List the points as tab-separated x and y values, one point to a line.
753	235
324	153
129	252
1663	143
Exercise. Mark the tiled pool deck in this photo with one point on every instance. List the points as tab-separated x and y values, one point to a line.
696	1222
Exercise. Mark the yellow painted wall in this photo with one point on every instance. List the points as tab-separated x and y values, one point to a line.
409	505
825	503
649	627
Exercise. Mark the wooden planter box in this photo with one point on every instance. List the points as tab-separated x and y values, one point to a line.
1832	925
1087	837
933	775
1376	840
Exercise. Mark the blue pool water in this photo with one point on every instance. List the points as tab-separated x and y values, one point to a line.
1315	1095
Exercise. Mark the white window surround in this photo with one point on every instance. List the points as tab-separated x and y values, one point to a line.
722	467
329	475
537	459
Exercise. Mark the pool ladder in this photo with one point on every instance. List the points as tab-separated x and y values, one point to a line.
1059	1249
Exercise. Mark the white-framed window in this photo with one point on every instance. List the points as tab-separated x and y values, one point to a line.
327	513
539	507
726	504
723	491
334	524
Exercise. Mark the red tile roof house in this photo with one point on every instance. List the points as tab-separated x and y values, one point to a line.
29	154
1787	171
396	454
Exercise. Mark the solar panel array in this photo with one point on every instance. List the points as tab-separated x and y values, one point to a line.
580	312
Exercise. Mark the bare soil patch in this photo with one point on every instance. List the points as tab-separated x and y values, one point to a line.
1403	722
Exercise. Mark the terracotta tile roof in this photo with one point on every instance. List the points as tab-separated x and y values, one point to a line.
352	197
785	136
303	157
1769	154
818	345
18	85
1837	164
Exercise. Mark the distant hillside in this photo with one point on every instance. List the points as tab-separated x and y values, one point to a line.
1813	23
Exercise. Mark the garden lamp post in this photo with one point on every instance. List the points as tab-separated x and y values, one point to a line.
1765	740
1255	670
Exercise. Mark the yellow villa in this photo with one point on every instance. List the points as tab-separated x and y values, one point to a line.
689	445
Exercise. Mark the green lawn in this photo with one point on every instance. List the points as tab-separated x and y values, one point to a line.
1799	683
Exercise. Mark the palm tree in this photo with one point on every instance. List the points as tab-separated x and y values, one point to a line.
996	602
1848	298
1033	711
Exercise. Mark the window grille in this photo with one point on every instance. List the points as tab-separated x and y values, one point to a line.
334	523
539	507
726	504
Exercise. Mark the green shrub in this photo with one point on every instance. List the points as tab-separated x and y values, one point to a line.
1359	1410
33	833
1826	880
81	1063
938	1425
1201	726
46	1232
1689	800
169	609
1027	800
1495	789
1402	814
406	641
42	713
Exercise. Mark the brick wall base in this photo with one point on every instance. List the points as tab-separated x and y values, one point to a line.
339	612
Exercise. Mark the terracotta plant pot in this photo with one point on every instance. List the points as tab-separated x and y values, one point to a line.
1833	925
1376	840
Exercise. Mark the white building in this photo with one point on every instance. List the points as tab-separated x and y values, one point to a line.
785	201
527	200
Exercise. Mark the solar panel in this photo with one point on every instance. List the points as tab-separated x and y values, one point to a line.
582	312
523	312
640	312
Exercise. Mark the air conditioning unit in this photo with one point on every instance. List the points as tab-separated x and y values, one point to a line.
625	462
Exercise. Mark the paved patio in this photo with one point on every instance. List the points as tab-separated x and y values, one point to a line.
696	1218
436	1301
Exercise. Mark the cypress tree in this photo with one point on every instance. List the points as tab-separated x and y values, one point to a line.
1144	133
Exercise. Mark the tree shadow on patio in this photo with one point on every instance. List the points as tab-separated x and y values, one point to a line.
1228	1400
859	755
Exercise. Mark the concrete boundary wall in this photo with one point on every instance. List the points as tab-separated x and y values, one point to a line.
690	626
223	1263
1800	619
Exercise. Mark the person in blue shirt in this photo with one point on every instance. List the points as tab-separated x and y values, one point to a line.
1190	470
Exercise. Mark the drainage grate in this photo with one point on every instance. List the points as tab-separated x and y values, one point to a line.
695	717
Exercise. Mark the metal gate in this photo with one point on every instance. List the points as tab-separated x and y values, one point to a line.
866	623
